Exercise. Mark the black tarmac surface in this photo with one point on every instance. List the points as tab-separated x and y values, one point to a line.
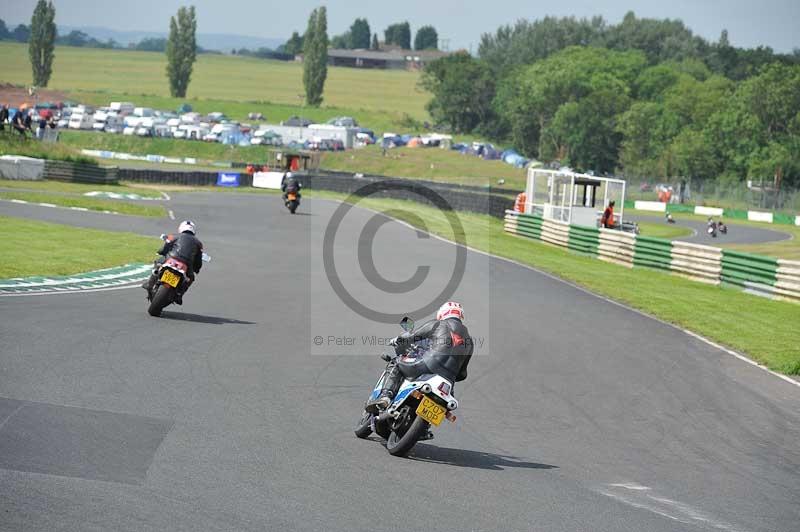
578	415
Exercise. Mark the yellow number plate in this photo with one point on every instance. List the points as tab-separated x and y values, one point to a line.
292	196
170	278
431	411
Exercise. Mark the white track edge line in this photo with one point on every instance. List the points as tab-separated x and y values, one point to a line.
133	284
587	291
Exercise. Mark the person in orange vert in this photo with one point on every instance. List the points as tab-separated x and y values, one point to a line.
607	220
519	204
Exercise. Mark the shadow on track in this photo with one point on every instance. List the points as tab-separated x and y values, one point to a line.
197	318
475	459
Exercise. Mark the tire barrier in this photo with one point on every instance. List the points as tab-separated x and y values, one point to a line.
79	173
756	274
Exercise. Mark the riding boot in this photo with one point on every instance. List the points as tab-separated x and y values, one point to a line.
390	386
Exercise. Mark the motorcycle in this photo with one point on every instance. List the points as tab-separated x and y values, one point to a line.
292	201
172	278
723	228
670	219
419	404
712	230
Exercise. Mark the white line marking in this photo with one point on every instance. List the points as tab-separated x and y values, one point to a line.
171	215
671	509
84	291
82	209
52	205
587	291
164	195
58	206
18	201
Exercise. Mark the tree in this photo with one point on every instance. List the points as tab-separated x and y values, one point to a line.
151	44
375	44
360	34
463	89
42	42
4	33
343	41
399	34
294	45
315	56
21	33
181	50
426	39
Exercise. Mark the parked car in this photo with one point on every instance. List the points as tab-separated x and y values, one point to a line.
296	121
343	121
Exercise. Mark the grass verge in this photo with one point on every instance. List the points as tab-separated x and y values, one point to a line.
660	230
12	143
765	330
75	188
93	204
65	250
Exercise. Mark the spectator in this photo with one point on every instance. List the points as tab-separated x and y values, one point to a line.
42	128
3	117
607	220
19	123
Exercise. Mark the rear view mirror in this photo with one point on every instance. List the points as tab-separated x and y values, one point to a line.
407	324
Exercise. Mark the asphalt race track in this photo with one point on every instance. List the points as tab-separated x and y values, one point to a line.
737	234
579	415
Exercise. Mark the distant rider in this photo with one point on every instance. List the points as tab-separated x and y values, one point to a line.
289	184
607	220
184	246
449	352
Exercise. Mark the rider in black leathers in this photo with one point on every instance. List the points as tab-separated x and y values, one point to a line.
184	246
449	352
290	184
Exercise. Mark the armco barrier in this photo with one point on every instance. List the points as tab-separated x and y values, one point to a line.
766	276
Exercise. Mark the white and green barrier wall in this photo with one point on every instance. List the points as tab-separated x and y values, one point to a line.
736	214
766	276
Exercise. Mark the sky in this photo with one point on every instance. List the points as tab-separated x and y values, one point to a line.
460	23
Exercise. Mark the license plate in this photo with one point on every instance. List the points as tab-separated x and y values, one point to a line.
170	278
292	196
431	411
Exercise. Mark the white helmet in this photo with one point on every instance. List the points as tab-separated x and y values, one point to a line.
187	226
451	309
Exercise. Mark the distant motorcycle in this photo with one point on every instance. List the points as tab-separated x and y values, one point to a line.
722	228
172	280
670	219
419	403
712	229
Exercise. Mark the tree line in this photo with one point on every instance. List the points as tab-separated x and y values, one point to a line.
643	98
360	36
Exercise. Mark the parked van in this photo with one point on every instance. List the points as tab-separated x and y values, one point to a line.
143	111
124	108
80	121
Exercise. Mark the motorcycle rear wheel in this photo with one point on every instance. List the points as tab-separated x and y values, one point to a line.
401	445
164	296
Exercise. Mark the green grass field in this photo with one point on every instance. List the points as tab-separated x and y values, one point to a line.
231	84
14	144
425	163
93	204
66	250
658	230
74	188
765	330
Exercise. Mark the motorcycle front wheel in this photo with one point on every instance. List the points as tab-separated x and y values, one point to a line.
164	296
364	427
401	444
